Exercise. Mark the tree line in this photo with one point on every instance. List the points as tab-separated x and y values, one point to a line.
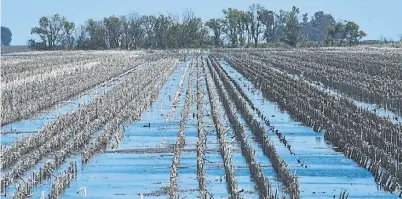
255	27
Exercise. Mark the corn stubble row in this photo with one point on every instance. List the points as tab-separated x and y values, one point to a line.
372	142
75	132
181	136
258	130
52	82
368	75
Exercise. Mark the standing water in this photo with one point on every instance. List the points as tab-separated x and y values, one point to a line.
322	172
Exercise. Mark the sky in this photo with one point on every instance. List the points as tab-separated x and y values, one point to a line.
377	18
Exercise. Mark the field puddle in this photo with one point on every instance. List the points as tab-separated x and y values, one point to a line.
29	127
392	116
328	172
141	164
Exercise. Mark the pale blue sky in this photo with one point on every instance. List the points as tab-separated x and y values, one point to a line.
377	18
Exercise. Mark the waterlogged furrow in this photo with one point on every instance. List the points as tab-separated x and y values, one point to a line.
178	148
263	183
213	164
321	111
296	73
27	144
243	103
177	96
101	142
232	184
61	182
22	67
111	103
22	100
28	127
140	164
114	133
201	142
251	107
378	131
378	86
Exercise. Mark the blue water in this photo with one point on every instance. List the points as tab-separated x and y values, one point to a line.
380	111
28	127
328	172
126	175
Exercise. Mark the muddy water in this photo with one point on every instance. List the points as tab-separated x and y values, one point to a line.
328	172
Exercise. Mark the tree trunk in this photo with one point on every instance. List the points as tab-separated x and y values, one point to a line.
255	41
340	43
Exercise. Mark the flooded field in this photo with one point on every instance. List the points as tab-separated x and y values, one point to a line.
194	125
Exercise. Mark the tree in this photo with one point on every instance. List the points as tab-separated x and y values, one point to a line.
335	32
241	27
361	35
174	31
190	30
345	31
256	17
238	27
6	36
247	19
81	37
278	28
133	31
68	29
267	18
162	25
113	29
124	38
292	28
216	25
148	23
353	34
318	26
304	33
232	18
330	36
52	30
97	34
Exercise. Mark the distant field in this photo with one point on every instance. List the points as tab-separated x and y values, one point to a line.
240	123
14	49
